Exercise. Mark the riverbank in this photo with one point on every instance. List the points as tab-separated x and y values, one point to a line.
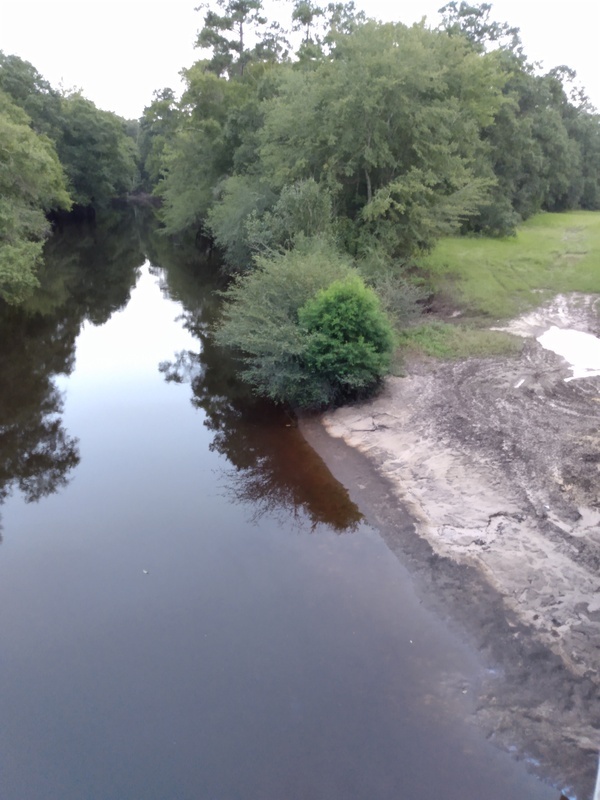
497	463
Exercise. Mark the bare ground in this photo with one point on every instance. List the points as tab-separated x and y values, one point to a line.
498	462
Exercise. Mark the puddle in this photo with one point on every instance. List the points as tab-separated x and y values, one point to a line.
566	326
581	350
565	311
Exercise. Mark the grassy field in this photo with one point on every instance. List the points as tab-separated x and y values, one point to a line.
488	280
500	278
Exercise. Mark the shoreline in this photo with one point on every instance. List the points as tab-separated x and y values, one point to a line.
482	477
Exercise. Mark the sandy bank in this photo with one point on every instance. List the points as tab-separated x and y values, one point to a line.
498	463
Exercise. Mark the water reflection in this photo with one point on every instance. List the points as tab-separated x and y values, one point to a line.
36	453
88	273
273	468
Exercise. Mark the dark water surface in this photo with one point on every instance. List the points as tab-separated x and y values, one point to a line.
275	649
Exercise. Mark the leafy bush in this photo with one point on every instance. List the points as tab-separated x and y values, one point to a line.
283	324
304	209
400	293
240	198
349	339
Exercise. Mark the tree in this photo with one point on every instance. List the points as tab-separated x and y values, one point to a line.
474	23
158	127
98	156
31	183
231	54
249	219
201	154
390	125
29	90
95	150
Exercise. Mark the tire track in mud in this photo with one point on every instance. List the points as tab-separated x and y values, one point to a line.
498	461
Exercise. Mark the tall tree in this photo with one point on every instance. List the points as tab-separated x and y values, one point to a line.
379	124
29	90
158	125
474	22
238	33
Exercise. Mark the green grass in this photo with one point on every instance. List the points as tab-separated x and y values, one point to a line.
489	280
500	278
444	340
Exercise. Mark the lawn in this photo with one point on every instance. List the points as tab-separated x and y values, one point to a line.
485	280
500	278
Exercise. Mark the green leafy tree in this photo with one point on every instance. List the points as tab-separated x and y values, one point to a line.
201	154
249	219
94	148
535	144
241	197
391	126
31	183
303	210
29	90
98	156
157	128
474	22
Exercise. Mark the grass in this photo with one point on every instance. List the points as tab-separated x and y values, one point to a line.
444	340
488	280
501	278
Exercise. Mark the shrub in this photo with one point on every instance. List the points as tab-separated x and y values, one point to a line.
349	339
309	332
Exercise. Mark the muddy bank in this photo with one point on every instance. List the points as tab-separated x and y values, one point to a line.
497	463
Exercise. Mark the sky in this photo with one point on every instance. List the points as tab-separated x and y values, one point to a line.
119	51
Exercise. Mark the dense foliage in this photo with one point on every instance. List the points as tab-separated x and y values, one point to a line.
31	183
341	161
412	132
310	331
56	149
379	138
349	340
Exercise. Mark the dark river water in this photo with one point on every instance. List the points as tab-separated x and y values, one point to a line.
191	606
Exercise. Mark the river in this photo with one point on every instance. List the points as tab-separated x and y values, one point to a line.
191	605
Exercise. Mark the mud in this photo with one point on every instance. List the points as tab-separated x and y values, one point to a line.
497	462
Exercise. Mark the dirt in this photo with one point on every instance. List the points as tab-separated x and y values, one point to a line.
497	461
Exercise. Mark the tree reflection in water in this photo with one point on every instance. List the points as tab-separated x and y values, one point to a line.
88	273
36	453
273	468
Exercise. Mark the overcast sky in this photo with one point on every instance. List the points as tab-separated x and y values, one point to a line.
119	51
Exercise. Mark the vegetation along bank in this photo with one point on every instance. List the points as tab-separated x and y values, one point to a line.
381	197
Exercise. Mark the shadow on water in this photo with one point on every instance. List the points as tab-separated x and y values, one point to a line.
272	466
88	273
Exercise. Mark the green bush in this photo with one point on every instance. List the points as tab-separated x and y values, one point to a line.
309	332
349	339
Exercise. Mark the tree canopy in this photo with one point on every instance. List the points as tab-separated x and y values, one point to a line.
377	138
31	183
410	130
56	149
368	143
